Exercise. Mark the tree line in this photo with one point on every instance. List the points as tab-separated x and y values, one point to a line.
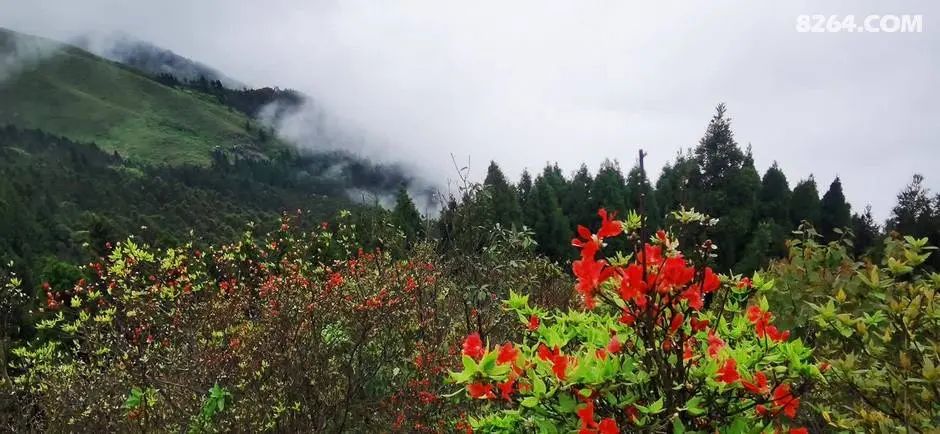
756	213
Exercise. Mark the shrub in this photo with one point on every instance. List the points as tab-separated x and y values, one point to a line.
663	343
290	331
876	324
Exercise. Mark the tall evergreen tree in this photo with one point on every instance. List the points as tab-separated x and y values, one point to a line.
406	216
672	187
524	192
866	231
725	186
576	204
639	189
719	158
773	207
914	211
834	211
804	203
917	214
609	189
502	202
552	229
774	197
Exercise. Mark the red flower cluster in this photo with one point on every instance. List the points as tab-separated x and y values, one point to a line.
590	426
671	278
762	326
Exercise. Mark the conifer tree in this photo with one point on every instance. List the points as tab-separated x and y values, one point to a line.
576	204
552	229
804	203
609	189
774	197
914	211
834	211
639	188
502	201
406	216
773	207
672	187
725	186
866	231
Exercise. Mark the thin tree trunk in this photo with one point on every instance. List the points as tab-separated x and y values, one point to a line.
4	343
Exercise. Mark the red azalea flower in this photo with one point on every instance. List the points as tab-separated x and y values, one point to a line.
627	317
614	345
715	344
761	410
697	324
728	373
590	274
745	282
600	354
534	323
473	346
651	256
675	273
586	415
676	322
710	281
759	386
776	335
632	286
798	431
687	353
507	354
480	390
694	297
784	399
609	226
505	389
546	354
560	366
608	426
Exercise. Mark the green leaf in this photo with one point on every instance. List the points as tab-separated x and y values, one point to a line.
677	427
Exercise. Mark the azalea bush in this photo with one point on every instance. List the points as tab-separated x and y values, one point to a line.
662	343
292	330
876	323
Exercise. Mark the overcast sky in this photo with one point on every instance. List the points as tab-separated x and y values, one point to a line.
528	82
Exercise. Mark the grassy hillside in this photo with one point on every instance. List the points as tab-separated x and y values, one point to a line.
73	93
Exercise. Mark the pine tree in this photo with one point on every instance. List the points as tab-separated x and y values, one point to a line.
774	197
834	211
502	202
552	230
725	186
609	189
804	203
639	189
719	157
524	192
406	216
866	231
672	187
914	211
576	203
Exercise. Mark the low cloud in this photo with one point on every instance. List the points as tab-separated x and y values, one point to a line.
19	53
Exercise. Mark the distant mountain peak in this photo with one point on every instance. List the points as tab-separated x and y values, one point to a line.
149	58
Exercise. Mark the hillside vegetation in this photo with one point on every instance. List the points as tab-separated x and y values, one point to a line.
73	93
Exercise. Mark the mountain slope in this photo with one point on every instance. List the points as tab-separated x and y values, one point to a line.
73	93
